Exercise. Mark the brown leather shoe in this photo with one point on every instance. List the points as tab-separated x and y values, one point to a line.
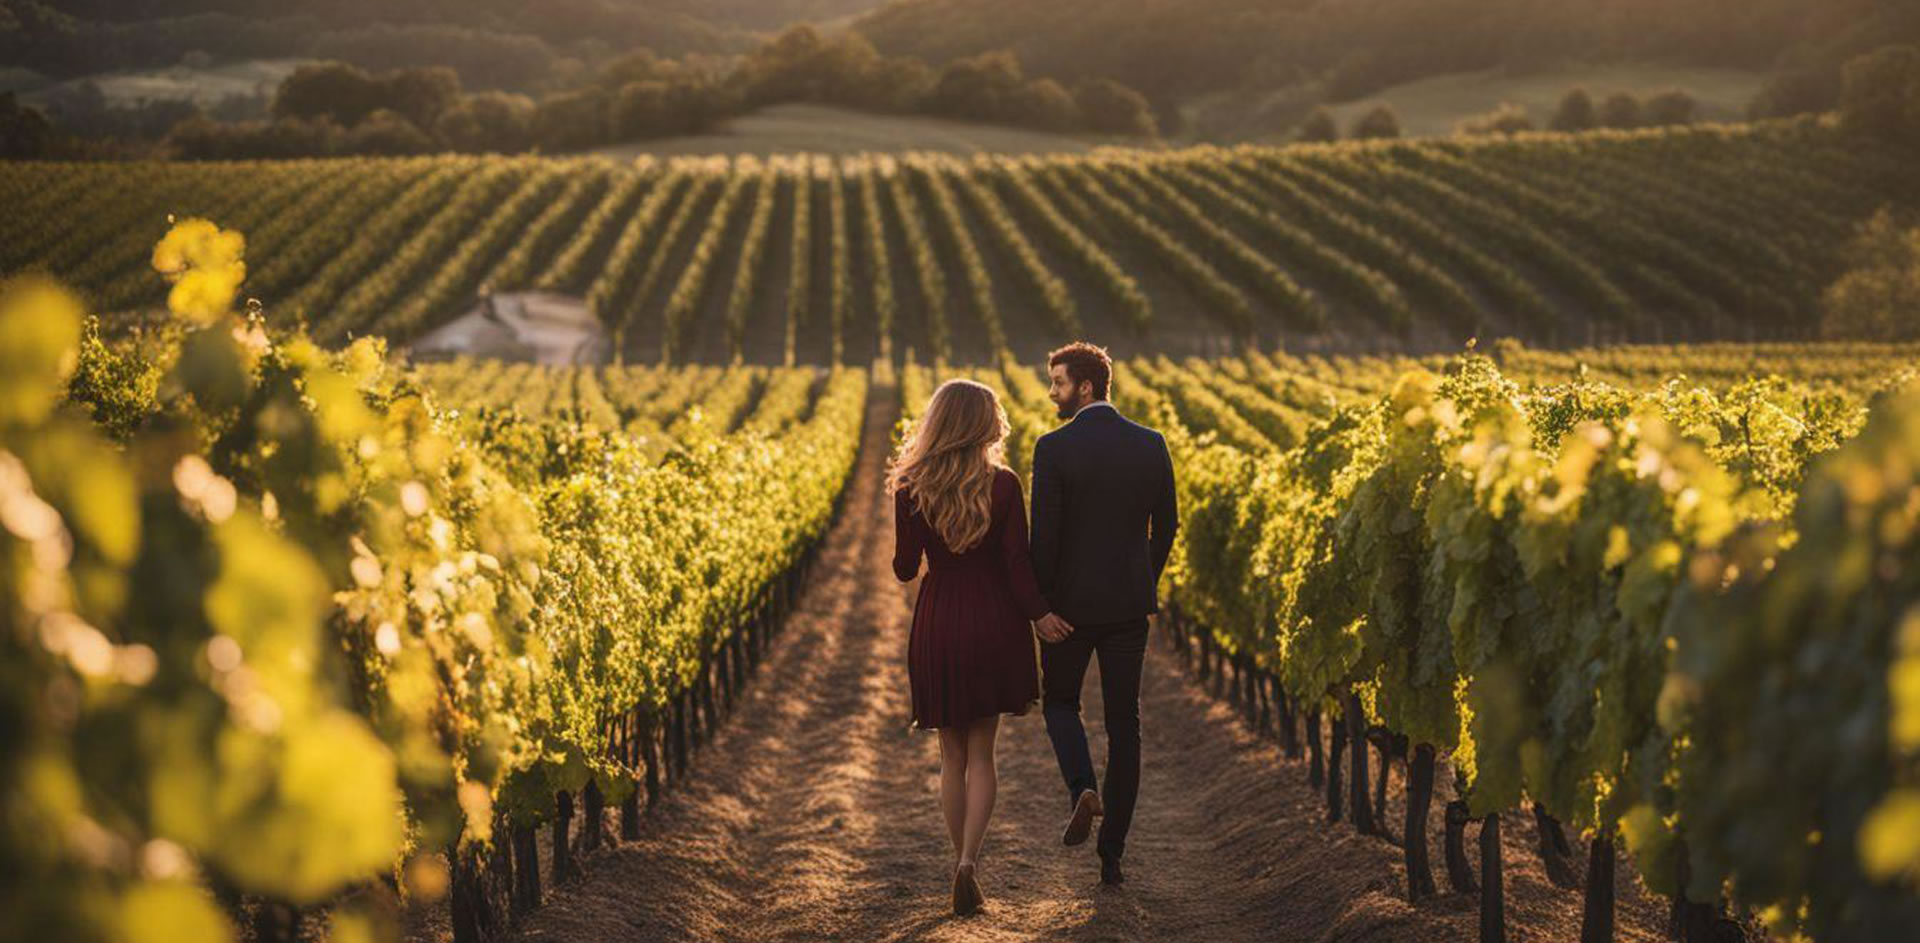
966	892
1080	825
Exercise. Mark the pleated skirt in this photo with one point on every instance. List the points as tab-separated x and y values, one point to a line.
971	653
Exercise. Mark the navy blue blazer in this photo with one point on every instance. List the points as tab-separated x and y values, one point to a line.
1104	516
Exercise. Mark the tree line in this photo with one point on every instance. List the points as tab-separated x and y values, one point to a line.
1878	94
335	108
1344	52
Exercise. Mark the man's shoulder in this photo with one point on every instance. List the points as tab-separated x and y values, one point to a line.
1072	429
1143	432
1054	436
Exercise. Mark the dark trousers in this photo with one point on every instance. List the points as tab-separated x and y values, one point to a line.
1122	647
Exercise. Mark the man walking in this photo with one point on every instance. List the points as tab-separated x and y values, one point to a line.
1104	516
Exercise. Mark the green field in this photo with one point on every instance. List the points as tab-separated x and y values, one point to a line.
822	129
1434	105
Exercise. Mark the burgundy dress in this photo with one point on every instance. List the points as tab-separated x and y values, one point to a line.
973	652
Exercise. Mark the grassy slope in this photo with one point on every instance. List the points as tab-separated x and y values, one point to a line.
788	129
1432	105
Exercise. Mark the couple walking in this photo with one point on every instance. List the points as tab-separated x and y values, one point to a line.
1104	516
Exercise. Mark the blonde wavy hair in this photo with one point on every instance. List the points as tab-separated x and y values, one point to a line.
948	459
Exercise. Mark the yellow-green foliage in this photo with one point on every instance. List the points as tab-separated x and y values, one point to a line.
295	631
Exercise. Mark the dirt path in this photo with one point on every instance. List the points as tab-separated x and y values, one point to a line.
813	815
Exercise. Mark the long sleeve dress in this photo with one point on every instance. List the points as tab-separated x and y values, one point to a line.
972	652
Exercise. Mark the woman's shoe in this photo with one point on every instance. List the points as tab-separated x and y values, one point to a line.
966	892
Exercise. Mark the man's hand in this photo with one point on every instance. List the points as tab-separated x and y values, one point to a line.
1052	628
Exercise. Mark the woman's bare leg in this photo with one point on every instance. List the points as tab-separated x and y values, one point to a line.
982	785
953	782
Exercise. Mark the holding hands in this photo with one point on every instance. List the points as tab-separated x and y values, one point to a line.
1052	628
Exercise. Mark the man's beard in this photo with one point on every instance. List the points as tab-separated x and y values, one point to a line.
1068	408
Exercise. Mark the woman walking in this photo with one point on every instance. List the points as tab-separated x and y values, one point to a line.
972	655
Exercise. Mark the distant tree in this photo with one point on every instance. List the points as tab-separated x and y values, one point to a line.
800	64
420	95
1879	297
25	132
1621	110
487	121
348	95
241	106
571	121
1671	107
638	66
386	133
980	87
644	110
295	137
1880	94
484	58
333	90
1796	93
790	67
1045	104
1319	126
697	104
1381	122
991	87
1509	118
1109	107
898	83
1575	112
200	138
